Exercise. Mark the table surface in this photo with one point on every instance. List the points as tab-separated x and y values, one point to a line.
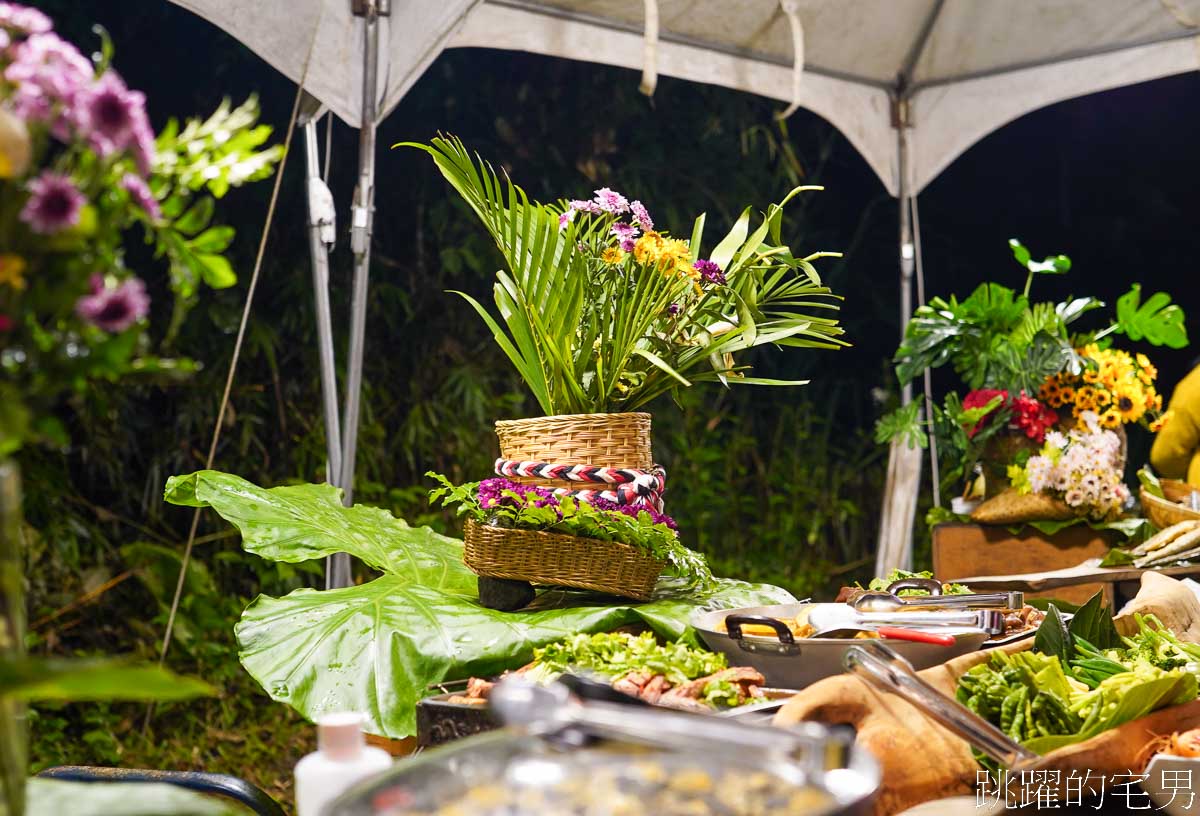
1087	572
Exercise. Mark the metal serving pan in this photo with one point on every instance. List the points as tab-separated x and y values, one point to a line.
807	660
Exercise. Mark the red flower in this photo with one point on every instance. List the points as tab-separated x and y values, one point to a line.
978	399
6	323
1033	417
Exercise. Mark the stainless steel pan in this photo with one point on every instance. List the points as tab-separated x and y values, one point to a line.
807	660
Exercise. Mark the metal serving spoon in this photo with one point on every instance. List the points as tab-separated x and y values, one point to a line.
889	602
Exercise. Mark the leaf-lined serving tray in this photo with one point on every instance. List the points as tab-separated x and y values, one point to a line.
377	647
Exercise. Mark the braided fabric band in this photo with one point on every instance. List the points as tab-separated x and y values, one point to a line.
628	485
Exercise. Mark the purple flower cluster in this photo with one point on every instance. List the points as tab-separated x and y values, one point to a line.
114	309
633	511
610	202
710	272
491	494
56	86
54	204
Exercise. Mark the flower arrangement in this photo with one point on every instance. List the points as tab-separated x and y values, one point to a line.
602	311
1114	384
505	503
81	172
1083	467
1024	364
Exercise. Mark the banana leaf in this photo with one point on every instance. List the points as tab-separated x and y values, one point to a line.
57	797
378	647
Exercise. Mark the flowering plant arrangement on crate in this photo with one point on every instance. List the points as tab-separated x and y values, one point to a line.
81	175
1083	467
1027	369
603	311
507	504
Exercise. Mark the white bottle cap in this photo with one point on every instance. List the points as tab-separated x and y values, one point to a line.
340	735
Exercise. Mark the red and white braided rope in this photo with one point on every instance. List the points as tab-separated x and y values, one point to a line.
629	485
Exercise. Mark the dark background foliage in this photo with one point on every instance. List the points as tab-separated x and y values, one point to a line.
774	484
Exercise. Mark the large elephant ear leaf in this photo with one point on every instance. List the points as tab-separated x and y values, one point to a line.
302	522
1158	321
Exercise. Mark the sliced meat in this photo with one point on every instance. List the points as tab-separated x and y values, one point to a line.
632	683
653	690
848	594
479	688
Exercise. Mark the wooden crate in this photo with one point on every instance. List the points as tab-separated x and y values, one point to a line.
963	550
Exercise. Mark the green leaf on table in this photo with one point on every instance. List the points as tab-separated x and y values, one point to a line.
1158	321
31	678
1094	623
1150	482
58	797
1053	637
1117	558
378	647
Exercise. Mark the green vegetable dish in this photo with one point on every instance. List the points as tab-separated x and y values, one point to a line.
1081	680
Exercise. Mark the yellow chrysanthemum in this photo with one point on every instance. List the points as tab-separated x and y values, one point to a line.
612	256
12	271
1110	419
648	248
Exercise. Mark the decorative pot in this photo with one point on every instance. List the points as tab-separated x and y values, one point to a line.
14	738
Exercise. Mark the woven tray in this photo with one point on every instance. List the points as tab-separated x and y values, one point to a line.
560	560
602	440
1165	512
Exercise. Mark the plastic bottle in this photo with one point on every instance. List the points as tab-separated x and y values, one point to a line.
342	758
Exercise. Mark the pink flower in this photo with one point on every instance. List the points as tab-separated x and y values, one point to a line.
139	191
49	74
624	231
710	271
565	218
108	114
114	309
641	216
627	245
54	204
585	206
23	20
610	201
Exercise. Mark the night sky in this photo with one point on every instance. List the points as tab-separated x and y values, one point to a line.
1108	179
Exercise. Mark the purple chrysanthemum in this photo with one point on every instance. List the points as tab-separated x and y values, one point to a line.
491	494
23	20
624	231
586	206
108	114
139	191
641	216
610	201
565	218
628	244
114	309
54	204
673	309
710	272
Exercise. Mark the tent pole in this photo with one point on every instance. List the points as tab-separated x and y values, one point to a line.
321	233
361	218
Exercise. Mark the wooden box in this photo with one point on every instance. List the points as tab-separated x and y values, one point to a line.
963	550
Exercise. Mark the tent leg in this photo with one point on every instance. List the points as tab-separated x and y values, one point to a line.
361	222
320	238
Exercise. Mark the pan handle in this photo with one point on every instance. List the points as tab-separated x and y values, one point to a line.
879	666
931	585
787	641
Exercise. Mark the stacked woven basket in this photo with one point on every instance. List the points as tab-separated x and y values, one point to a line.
581	454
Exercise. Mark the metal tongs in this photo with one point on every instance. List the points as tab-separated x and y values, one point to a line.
879	666
549	710
890	602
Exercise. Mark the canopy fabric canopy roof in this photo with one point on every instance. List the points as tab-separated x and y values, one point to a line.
966	67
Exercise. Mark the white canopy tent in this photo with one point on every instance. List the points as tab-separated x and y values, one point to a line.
911	83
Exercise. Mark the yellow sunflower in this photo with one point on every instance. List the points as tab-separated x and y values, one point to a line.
1049	389
1103	399
1127	404
1110	419
1160	423
1085	398
1067	395
1091	375
612	256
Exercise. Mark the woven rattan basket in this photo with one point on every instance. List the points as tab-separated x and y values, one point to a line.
1165	512
601	440
560	560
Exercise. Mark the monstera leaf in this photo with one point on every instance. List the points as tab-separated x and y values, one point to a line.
378	647
1157	320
